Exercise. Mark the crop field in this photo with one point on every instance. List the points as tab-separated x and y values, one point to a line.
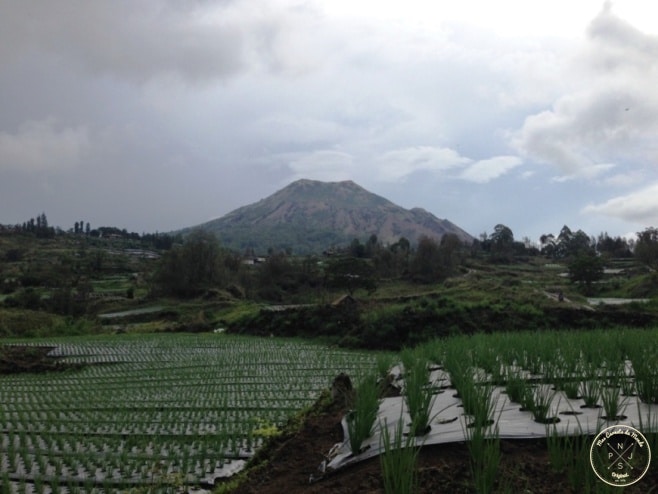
155	411
563	386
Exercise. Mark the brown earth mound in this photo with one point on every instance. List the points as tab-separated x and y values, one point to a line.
287	464
27	358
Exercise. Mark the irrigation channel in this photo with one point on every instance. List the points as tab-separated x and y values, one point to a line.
154	412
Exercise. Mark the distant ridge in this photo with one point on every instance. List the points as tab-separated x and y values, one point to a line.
310	216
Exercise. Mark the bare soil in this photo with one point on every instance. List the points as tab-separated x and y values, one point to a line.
28	358
287	464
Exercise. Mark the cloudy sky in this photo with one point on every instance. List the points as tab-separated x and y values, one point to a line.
161	114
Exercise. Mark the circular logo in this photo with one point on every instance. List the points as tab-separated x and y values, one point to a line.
620	455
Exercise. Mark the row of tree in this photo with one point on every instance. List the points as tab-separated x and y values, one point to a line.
40	228
37	226
200	263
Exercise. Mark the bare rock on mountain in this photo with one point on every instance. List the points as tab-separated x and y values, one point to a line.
310	216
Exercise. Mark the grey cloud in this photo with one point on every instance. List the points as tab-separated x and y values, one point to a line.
43	145
141	40
620	45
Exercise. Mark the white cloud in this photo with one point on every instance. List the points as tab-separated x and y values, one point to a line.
484	171
43	145
323	165
586	173
631	178
610	119
397	164
640	207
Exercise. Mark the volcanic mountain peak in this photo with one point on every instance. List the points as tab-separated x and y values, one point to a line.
310	216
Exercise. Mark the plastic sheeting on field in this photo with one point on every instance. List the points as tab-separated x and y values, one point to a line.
448	423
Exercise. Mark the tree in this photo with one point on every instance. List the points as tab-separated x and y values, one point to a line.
586	268
449	253
351	274
502	242
190	269
357	249
548	244
276	273
646	247
372	246
402	244
613	247
393	261
425	266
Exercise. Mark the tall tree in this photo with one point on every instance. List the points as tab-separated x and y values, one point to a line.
646	247
502	242
586	267
190	269
425	265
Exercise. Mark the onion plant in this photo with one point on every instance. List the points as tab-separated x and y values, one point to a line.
579	472
613	404
398	461
384	362
543	398
478	402
571	388
419	395
590	390
648	426
362	419
558	448
484	447
515	385
646	379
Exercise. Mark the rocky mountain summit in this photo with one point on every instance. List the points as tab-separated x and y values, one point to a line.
310	216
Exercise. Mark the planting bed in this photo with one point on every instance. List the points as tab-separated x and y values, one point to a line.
155	411
557	387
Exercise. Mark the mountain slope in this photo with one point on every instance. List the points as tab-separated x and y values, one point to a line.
310	216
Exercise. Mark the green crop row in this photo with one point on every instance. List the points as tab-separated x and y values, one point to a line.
157	409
